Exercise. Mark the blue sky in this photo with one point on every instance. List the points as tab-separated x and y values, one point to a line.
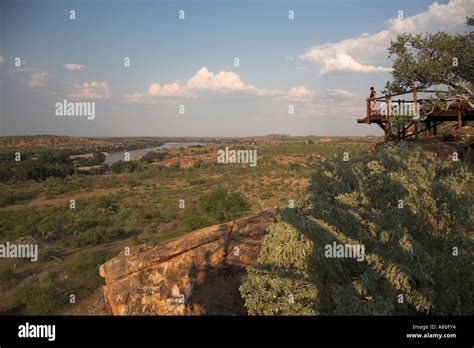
322	62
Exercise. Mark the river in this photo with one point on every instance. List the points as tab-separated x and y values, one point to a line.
119	156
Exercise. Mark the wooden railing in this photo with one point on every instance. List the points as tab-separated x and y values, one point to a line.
383	117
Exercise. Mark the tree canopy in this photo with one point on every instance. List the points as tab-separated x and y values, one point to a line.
433	59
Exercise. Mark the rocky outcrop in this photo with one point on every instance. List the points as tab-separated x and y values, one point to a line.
198	273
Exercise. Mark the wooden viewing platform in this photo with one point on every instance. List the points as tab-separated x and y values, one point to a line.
456	111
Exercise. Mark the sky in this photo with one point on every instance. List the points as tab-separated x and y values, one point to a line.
306	74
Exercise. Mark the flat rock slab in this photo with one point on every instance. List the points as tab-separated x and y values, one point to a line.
198	273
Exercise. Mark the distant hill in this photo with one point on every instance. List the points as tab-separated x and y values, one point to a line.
81	144
37	142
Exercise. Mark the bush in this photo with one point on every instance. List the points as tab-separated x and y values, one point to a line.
8	198
195	222
54	163
216	207
91	236
86	265
154	156
6	172
39	299
8	279
220	206
124	166
410	250
199	164
97	158
152	215
193	182
281	279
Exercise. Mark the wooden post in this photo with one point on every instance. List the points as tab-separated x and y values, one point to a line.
368	108
434	127
387	132
459	119
387	107
415	107
388	126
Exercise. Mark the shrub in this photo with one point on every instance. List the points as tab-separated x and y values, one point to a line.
51	163
91	236
6	172
124	166
8	198
8	279
409	250
220	205
97	158
193	182
199	164
37	299
154	156
152	215
86	265
280	282
195	222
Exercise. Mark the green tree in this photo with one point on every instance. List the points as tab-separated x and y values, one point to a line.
414	216
438	59
195	222
97	158
154	156
220	205
124	166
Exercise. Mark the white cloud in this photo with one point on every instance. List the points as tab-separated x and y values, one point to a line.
91	90
206	81
72	67
134	97
299	93
38	79
30	76
339	92
368	53
167	90
224	80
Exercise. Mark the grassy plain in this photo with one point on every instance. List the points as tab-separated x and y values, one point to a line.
114	209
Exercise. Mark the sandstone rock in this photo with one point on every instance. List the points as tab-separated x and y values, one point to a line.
198	273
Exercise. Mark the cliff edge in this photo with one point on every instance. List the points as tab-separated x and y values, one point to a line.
198	273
